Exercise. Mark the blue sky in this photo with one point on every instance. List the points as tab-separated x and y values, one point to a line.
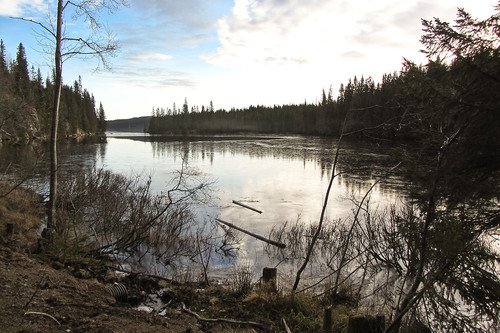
237	53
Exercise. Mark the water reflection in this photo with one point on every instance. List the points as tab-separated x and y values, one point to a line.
284	177
358	165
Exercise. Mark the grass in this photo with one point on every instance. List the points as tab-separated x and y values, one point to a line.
24	210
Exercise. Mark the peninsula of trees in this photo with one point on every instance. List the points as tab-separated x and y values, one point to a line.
26	100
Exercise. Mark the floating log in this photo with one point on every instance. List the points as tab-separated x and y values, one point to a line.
259	237
247	207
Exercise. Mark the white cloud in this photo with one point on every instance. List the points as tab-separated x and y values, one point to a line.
21	7
151	57
191	14
288	50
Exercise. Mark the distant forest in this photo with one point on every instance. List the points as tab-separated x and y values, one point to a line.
26	101
324	118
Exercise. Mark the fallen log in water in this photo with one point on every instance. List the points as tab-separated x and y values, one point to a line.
259	237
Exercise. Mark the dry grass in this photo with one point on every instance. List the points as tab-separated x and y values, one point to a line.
25	211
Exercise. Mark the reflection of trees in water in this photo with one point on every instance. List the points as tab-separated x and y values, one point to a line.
359	164
34	158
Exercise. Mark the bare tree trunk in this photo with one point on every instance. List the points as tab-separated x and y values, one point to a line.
52	222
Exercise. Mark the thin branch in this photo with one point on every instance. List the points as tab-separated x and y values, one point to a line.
42	314
222	320
287	329
37	23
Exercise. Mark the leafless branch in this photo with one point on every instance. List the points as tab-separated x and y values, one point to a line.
51	32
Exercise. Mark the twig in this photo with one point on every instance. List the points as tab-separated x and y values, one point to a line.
221	320
43	314
259	237
287	329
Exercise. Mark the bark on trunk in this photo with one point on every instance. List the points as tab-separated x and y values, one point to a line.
52	221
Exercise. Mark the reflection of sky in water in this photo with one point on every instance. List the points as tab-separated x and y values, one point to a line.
284	178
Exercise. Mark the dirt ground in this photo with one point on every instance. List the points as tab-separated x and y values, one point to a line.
42	295
36	297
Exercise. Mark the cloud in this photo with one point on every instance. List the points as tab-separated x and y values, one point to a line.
318	31
149	74
313	31
150	57
191	14
21	7
166	26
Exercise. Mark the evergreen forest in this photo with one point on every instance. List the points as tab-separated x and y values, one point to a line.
26	101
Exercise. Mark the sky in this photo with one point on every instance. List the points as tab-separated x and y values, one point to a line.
234	53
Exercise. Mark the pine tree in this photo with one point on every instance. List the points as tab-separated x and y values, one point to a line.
4	69
101	119
21	76
330	95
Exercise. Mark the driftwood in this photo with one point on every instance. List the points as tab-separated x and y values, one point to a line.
247	207
222	320
259	237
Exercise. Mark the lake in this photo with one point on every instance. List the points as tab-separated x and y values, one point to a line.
284	177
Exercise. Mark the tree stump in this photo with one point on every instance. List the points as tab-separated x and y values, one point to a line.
269	278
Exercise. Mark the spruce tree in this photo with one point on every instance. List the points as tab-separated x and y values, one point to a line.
21	76
101	119
4	69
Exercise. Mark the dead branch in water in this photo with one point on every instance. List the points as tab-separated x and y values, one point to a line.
247	207
259	237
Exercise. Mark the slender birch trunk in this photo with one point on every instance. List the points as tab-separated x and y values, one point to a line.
52	217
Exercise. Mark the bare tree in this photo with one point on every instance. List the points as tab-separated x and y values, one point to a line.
64	46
